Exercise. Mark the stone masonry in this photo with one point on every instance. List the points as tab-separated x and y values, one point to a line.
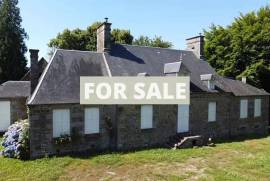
120	125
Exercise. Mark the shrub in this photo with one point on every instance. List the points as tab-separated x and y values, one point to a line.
16	141
62	140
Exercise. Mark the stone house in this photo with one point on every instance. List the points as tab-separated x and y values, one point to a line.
13	98
220	107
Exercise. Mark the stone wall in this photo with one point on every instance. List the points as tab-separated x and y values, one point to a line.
130	135
228	123
18	109
125	133
41	130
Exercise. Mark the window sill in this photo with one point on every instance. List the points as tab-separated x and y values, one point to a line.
92	135
257	116
147	129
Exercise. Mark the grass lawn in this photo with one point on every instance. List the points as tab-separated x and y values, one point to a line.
246	160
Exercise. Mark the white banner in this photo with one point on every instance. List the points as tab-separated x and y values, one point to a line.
135	90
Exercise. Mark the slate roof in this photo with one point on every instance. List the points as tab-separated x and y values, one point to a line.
128	60
15	89
60	80
42	63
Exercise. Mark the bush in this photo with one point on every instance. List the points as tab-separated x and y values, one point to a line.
62	140
16	141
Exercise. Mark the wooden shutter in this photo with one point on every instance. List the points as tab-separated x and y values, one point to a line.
243	108
91	120
4	115
257	107
61	122
146	116
183	119
211	111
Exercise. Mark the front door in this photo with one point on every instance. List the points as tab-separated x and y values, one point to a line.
4	115
183	118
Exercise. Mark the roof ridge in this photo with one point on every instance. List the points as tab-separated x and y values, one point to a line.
77	50
173	49
15	81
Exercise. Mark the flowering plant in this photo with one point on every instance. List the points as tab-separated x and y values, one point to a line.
16	141
62	140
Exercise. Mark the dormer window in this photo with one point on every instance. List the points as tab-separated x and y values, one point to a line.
176	69
211	85
208	80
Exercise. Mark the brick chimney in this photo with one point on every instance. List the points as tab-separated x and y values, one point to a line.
196	44
34	71
104	37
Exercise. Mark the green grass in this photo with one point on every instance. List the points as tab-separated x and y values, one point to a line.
246	160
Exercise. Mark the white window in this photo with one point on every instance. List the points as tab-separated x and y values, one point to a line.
183	118
212	111
4	115
243	108
211	85
146	116
61	122
257	107
91	120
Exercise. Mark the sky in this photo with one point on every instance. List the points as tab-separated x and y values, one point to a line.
174	20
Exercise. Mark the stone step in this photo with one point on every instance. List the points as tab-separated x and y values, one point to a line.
188	142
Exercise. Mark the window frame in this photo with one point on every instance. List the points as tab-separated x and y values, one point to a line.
257	110
143	121
212	106
62	131
97	128
243	102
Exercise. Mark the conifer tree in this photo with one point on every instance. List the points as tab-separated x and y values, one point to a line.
12	46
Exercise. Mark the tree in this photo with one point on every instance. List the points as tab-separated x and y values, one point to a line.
12	45
79	39
86	39
122	36
155	42
242	48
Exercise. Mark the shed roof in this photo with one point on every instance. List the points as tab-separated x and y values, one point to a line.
15	89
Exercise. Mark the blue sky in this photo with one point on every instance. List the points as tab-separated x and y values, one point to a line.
174	20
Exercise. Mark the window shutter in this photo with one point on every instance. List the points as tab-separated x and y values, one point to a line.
91	120
183	118
146	116
4	115
61	122
257	107
243	108
211	111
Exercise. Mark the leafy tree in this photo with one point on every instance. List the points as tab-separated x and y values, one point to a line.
242	48
12	45
122	36
155	42
86	39
79	39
